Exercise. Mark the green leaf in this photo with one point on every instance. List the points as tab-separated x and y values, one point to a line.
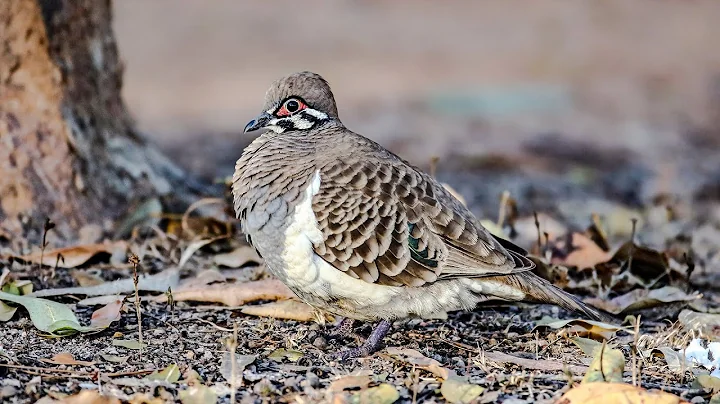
52	317
170	374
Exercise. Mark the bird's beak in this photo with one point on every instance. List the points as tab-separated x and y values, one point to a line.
258	123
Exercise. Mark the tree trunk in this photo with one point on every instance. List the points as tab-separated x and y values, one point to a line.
68	148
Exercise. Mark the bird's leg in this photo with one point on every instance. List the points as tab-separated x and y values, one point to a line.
343	329
370	345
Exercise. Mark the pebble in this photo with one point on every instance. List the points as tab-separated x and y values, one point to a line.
320	343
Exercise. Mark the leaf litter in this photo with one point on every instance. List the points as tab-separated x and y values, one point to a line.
196	260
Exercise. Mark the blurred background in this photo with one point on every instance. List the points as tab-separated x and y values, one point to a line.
620	93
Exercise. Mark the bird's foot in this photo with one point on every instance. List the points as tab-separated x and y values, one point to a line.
371	344
342	330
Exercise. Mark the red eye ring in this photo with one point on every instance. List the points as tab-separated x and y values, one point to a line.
290	107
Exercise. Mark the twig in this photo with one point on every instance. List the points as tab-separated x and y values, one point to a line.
632	244
76	372
171	303
49	225
135	261
636	337
503	205
232	346
539	234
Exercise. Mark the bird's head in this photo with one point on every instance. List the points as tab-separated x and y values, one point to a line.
298	102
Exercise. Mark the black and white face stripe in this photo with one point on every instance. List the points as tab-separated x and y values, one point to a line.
306	119
294	114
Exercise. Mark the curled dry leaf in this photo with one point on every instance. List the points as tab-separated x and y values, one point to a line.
639	299
582	252
193	247
350	382
86	278
545	365
580	327
706	323
647	264
674	359
103	317
239	257
617	393
72	256
153	283
241	361
66	358
607	366
284	309
234	294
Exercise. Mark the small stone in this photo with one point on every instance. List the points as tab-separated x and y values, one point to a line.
190	355
320	343
697	399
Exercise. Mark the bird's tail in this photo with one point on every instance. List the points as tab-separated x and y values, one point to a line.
539	290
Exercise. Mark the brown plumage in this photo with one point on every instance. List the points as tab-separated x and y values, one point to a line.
356	230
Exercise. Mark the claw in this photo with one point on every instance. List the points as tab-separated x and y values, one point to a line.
371	344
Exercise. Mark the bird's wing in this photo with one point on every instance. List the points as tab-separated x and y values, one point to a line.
386	222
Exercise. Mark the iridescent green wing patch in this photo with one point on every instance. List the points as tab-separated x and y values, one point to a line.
419	256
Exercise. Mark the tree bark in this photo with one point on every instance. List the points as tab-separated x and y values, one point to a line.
68	148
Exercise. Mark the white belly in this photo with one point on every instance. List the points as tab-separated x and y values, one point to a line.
309	274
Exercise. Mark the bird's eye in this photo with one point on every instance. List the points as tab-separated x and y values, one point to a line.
290	107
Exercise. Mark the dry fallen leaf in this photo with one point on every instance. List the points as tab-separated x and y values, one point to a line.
706	323
639	299
170	374
87	397
607	366
103	317
198	394
66	358
454	388
350	382
382	394
86	278
238	257
583	252
72	256
580	327
279	354
152	283
234	294
546	365
241	361
616	393
674	359
283	309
